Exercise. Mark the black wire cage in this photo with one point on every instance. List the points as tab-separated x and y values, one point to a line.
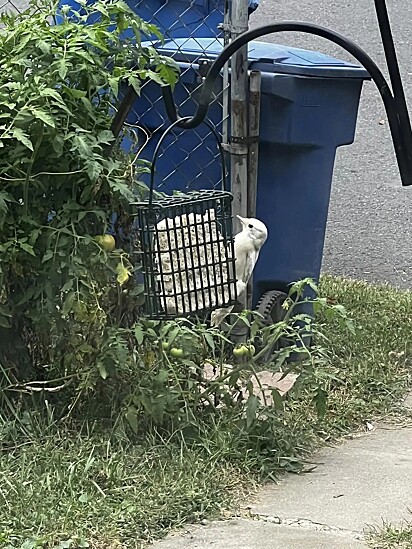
184	249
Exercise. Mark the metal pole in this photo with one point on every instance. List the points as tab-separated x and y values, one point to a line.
226	102
254	126
239	119
394	73
253	155
239	88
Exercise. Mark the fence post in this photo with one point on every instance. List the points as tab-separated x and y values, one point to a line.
239	115
239	88
226	85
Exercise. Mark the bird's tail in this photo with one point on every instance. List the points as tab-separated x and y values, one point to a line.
218	316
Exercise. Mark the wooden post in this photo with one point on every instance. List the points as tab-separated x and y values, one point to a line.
253	155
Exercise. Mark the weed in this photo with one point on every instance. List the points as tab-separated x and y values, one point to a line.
391	536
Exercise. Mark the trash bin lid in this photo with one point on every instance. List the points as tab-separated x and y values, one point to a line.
267	57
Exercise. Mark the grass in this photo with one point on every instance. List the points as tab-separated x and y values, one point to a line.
89	491
391	537
60	488
375	365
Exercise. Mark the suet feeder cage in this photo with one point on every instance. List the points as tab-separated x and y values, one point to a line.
185	248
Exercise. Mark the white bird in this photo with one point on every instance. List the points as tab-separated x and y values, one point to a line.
247	246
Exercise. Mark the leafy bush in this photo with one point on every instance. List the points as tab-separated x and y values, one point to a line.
60	289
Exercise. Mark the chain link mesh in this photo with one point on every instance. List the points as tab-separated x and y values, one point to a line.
9	6
193	30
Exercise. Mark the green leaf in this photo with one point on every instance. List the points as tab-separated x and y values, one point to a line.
350	326
121	22
210	341
84	498
68	303
131	416
44	46
29	544
27	248
102	370
94	170
67	543
89	106
123	274
67	286
168	73
252	406
140	299
58	145
50	92
172	335
76	93
22	137
4	198
4	322
277	399
137	290
105	136
138	334
48	255
5	311
102	9
136	84
162	376
114	84
43	116
62	68
320	400
82	145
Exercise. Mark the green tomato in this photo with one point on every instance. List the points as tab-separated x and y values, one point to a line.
240	351
165	345
252	350
176	353
106	241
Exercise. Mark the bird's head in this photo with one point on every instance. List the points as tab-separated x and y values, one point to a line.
255	229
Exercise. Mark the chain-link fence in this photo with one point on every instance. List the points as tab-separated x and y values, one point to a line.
13	6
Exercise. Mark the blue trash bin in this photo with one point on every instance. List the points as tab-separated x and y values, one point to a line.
309	107
175	18
182	18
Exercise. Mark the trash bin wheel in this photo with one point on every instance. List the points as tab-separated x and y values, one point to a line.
270	307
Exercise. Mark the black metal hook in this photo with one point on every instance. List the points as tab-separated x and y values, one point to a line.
395	107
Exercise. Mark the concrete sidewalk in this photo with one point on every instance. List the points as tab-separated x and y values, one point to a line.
356	485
